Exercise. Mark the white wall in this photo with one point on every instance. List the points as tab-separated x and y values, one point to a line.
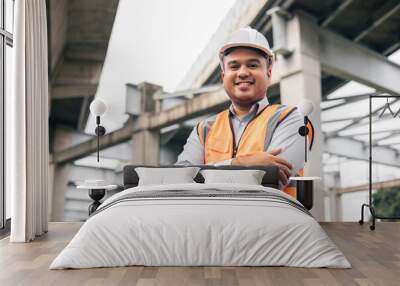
351	206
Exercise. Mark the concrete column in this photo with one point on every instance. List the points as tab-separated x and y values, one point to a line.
50	189
146	144
300	78
332	183
61	176
334	200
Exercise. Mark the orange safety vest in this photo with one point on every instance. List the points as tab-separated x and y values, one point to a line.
219	143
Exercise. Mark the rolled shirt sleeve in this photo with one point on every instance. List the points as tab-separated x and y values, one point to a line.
287	137
193	151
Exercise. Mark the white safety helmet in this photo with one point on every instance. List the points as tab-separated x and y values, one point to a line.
246	37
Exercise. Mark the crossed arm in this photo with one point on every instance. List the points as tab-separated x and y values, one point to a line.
286	150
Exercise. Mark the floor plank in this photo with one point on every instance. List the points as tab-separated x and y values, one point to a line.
374	255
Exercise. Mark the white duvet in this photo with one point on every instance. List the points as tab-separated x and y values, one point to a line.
183	231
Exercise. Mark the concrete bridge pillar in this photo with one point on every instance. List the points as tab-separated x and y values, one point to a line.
146	144
300	78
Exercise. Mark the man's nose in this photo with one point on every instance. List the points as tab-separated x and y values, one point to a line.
243	72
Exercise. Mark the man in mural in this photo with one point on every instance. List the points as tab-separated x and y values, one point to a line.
251	131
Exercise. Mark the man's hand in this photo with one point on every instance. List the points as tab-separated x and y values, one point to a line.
267	158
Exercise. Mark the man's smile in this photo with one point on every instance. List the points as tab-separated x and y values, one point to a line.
244	83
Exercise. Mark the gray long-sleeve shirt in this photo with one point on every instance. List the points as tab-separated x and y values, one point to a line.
286	136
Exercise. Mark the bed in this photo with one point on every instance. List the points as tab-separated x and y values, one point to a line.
201	224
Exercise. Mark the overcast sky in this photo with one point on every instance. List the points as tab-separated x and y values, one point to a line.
155	41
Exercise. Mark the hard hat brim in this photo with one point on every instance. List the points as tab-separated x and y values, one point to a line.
268	52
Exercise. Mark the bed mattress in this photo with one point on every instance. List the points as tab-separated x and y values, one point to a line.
201	225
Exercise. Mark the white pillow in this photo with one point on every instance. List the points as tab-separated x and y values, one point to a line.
248	177
165	176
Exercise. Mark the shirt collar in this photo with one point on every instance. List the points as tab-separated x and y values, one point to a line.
259	106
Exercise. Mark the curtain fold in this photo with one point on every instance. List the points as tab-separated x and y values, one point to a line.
29	155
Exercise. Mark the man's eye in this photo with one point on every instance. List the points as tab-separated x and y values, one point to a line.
253	66
234	67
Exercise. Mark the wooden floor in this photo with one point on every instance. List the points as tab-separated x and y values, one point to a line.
374	255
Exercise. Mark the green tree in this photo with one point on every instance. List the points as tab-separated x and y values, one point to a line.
387	202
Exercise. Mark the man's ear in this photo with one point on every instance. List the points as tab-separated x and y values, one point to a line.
222	75
269	72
